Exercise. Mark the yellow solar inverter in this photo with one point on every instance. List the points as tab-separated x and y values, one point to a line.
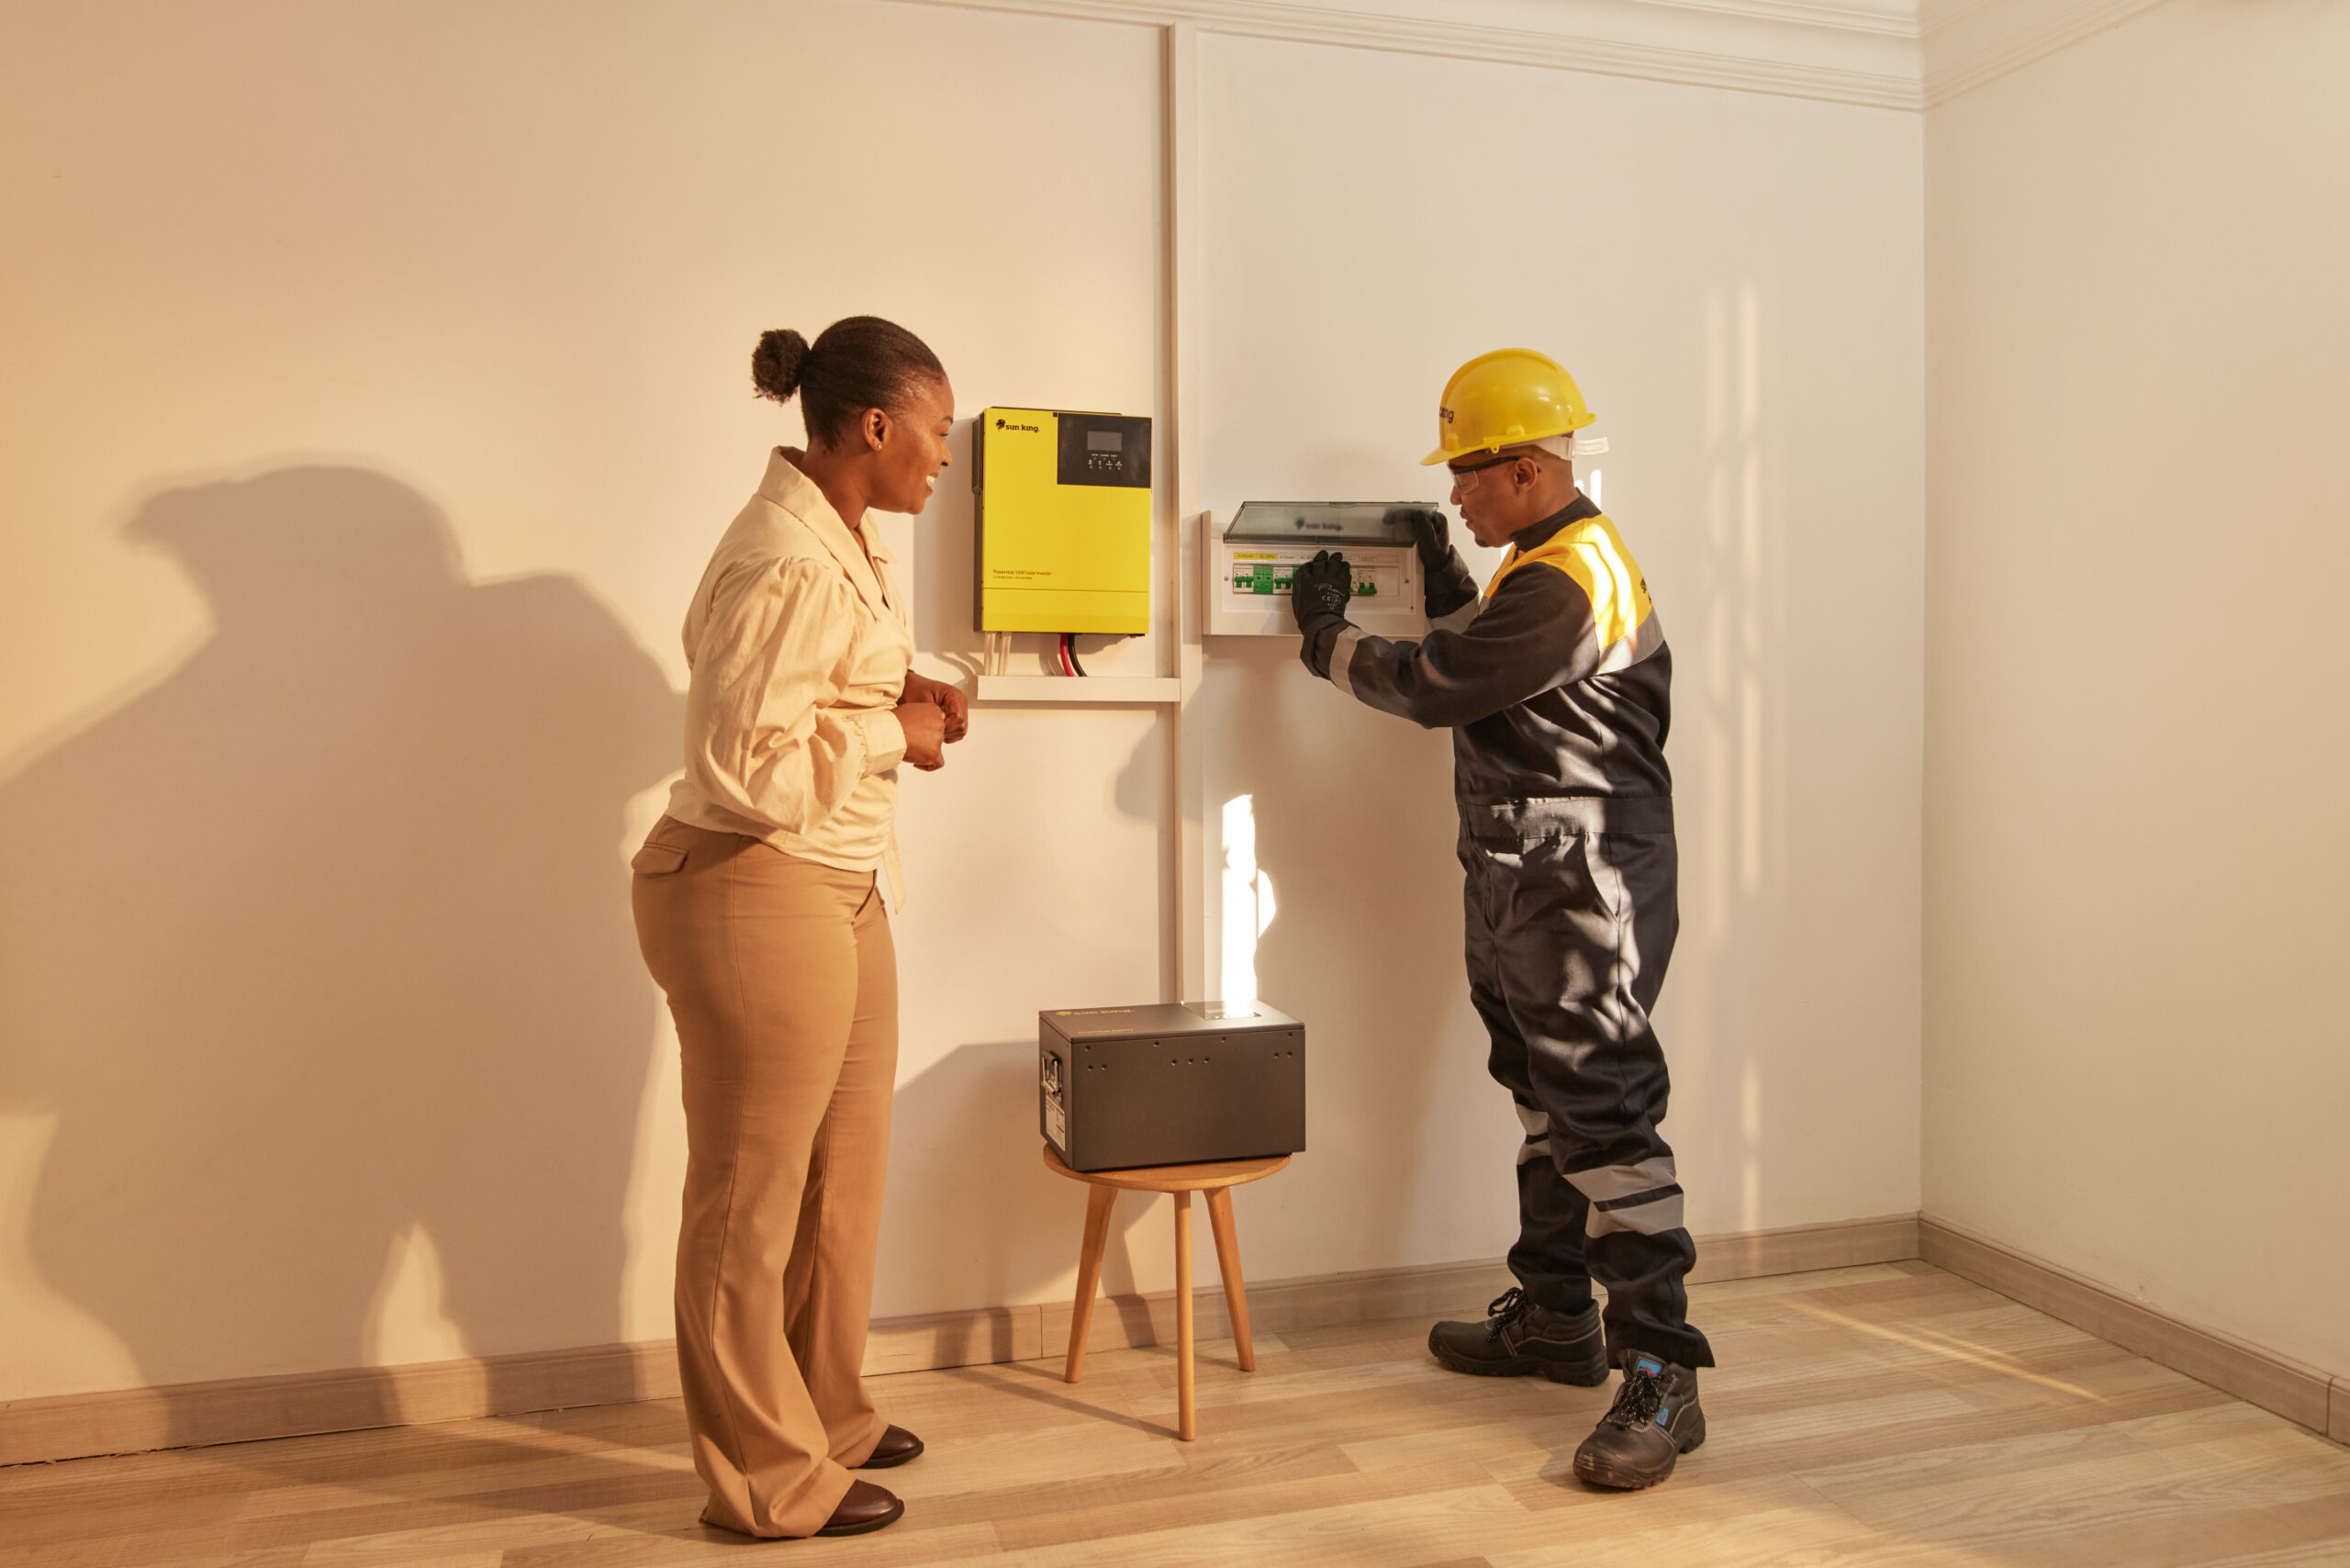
1063	520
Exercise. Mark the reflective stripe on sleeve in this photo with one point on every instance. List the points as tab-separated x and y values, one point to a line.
1342	654
1459	618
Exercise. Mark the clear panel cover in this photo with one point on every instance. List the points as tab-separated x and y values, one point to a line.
1319	523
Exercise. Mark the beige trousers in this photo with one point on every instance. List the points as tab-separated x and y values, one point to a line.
784	984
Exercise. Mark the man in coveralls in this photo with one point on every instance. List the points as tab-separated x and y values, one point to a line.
1557	688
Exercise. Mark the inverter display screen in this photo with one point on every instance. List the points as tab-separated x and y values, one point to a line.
1104	450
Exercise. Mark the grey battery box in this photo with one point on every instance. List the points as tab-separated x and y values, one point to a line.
1164	1083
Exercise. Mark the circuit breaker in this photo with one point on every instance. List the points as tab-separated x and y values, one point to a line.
1062	521
1250	560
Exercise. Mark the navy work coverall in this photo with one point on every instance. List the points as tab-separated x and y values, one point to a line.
1557	687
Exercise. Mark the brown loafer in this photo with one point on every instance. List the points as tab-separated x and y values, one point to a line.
867	1508
896	1447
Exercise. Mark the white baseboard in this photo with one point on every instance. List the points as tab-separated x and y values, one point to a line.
246	1409
2318	1400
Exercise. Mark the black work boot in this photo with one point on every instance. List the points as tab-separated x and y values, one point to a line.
1655	1420
1520	1339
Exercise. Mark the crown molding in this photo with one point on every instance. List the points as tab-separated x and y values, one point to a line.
1888	54
1966	43
1845	52
1897	18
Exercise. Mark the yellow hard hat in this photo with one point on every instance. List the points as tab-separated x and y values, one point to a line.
1505	398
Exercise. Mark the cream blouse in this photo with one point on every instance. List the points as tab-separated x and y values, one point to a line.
799	646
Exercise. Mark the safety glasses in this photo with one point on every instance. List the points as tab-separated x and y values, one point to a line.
1464	480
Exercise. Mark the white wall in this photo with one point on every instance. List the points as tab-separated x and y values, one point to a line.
2135	848
1735	281
374	386
326	1038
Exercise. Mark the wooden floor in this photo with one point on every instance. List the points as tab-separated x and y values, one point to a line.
1893	1415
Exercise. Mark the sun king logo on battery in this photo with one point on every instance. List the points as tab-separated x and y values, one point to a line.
1032	430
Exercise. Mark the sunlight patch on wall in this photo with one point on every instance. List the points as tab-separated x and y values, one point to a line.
1750	1175
1734	699
48	1345
409	1320
1248	906
1750	584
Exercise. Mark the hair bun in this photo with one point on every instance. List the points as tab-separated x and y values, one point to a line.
775	363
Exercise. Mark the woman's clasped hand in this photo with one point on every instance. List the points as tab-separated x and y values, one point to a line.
934	715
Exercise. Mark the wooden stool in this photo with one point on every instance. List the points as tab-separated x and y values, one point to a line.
1217	1181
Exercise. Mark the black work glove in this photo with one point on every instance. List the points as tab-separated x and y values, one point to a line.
1433	539
1320	590
1445	582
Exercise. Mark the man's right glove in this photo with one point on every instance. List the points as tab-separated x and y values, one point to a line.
1445	586
1319	592
1433	539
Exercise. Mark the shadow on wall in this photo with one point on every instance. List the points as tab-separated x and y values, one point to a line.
945	557
965	1148
320	951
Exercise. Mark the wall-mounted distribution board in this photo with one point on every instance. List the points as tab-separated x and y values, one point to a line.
1062	516
1162	1085
1250	561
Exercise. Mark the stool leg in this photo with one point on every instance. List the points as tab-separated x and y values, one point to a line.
1227	1262
1184	1427
1089	1274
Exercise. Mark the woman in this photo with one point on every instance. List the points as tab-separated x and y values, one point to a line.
759	908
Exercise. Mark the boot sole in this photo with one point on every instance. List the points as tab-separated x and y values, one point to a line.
1590	1376
1623	1481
